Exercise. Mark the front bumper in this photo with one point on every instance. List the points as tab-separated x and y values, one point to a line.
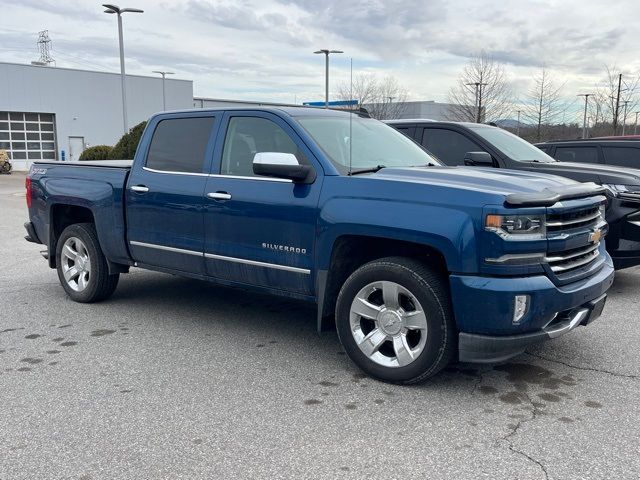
475	348
484	307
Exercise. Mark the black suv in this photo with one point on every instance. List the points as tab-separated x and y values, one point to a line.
481	145
624	153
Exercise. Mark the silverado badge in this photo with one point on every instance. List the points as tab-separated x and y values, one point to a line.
594	237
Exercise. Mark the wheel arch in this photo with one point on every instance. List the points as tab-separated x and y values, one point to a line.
351	251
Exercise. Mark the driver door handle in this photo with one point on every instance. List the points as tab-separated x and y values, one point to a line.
219	195
140	188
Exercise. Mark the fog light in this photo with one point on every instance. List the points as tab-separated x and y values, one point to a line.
520	307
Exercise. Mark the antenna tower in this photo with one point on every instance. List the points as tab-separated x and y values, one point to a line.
44	47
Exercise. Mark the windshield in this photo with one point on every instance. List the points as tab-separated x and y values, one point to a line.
374	143
512	146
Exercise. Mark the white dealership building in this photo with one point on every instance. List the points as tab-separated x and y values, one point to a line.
54	113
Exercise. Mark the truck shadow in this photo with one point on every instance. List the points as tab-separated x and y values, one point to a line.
625	282
262	320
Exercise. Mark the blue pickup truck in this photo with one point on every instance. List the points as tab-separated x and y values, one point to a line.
416	263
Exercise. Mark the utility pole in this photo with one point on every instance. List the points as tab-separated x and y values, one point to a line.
635	127
584	121
615	115
518	128
624	118
326	53
164	92
111	9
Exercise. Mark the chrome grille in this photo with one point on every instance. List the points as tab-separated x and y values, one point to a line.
570	223
571	259
587	217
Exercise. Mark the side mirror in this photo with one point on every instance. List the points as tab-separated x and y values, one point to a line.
282	165
478	159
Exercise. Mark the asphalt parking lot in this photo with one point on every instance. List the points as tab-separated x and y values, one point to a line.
175	378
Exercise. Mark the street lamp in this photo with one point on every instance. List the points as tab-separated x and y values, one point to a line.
111	9
624	119
584	121
164	93
326	53
478	103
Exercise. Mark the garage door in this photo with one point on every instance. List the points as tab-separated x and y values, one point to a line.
28	136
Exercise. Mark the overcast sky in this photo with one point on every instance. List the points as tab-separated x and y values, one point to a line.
262	50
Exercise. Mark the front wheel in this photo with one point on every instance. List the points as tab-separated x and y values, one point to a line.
394	320
82	267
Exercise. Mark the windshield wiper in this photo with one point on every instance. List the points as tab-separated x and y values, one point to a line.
367	170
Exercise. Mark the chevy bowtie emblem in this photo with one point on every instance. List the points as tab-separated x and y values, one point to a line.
595	237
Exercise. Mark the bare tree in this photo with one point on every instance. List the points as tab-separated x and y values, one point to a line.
482	92
608	102
544	104
384	98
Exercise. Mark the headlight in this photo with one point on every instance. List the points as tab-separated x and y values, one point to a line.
524	227
603	211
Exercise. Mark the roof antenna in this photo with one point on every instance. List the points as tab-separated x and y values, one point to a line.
350	115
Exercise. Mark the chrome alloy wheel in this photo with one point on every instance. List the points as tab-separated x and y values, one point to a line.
388	324
76	265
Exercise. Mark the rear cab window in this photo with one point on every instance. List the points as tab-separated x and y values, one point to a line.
179	145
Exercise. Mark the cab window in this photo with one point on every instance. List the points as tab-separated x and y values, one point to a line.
448	146
180	144
577	154
247	136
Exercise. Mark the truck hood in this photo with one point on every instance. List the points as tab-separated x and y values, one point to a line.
589	172
488	180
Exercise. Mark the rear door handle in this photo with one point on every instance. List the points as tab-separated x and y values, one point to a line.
219	195
140	188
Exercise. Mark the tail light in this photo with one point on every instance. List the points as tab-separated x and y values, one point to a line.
27	185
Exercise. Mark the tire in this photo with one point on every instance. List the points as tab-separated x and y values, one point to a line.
390	339
78	248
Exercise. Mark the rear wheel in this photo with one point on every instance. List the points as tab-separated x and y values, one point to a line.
394	320
82	267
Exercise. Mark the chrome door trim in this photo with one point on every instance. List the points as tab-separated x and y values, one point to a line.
217	175
276	266
262	179
163	247
258	264
171	172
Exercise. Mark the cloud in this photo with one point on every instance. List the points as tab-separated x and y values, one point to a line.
244	48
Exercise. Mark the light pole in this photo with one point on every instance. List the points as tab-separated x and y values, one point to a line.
111	9
164	92
624	119
478	104
326	53
518	129
584	121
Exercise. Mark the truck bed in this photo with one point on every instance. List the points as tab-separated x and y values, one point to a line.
95	186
